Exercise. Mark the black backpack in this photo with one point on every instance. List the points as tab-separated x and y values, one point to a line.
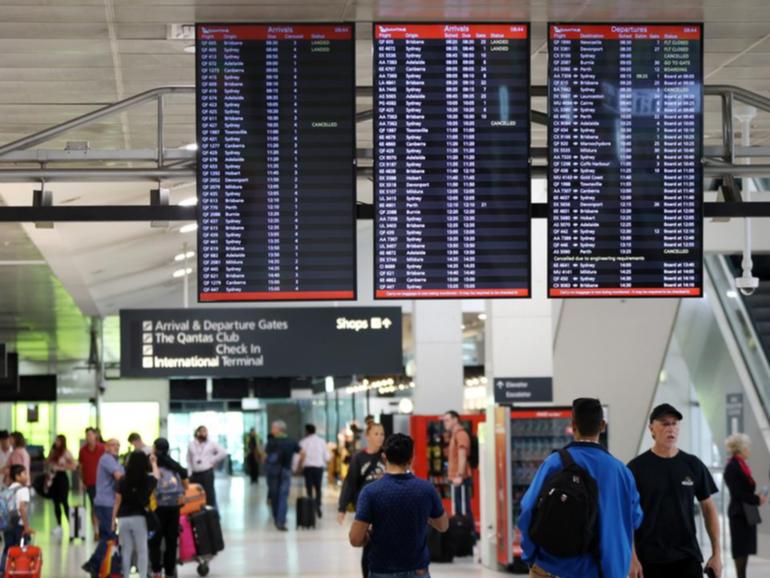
565	521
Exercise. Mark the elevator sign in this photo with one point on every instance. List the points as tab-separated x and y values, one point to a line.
260	342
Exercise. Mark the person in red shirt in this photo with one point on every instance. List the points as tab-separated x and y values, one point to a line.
88	460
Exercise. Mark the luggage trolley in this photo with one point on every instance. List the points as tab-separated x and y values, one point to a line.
200	531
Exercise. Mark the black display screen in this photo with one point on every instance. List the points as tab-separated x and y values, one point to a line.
276	162
452	175
625	179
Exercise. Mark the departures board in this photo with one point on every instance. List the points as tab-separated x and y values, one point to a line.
452	173
276	162
625	178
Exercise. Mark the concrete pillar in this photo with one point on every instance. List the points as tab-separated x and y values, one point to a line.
519	343
438	357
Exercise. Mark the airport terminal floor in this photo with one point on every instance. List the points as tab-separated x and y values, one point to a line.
253	546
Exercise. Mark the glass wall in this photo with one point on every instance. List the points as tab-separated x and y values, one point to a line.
118	419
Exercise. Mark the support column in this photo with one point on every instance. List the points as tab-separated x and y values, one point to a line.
518	343
438	357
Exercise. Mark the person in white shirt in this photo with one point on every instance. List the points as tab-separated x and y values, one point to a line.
203	455
5	450
316	456
12	536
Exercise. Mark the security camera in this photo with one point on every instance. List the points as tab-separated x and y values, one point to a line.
747	285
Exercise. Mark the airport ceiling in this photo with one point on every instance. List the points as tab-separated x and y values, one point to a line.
62	58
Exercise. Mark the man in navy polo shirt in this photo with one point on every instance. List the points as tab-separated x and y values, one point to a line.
393	514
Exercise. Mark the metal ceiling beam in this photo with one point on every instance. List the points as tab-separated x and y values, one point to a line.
111	213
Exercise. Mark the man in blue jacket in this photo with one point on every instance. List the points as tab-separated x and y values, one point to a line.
618	502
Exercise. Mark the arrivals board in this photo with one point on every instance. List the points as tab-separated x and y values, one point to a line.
625	179
452	175
276	162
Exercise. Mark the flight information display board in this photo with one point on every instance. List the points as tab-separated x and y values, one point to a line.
452	174
625	178
276	162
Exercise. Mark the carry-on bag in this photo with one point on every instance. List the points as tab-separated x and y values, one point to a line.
207	531
306	512
112	564
462	529
194	500
77	522
187	551
439	546
24	561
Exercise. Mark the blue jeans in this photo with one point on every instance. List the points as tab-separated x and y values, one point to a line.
104	518
457	496
279	482
11	538
411	574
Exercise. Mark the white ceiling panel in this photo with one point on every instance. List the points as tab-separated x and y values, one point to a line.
61	58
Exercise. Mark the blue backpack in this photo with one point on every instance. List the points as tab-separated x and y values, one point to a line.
169	488
9	510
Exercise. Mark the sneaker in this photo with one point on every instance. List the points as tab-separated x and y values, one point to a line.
282	529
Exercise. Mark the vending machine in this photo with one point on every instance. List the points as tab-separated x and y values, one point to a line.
431	448
527	436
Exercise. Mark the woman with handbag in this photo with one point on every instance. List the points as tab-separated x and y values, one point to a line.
744	502
132	501
58	465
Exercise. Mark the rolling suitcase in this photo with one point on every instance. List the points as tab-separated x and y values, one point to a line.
207	531
305	512
187	551
23	562
461	530
77	522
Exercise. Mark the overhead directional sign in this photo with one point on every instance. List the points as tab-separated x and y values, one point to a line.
260	342
523	389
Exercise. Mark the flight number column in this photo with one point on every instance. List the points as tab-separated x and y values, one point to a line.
389	150
210	157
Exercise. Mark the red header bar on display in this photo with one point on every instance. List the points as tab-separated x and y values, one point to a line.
279	296
274	32
541	413
450	31
439	293
625	32
625	292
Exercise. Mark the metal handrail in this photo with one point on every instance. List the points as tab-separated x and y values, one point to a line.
155	94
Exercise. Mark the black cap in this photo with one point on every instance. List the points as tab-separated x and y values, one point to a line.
665	409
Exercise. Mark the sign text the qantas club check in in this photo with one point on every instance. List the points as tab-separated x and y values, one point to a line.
260	342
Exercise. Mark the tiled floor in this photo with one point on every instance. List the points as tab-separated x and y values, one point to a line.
254	548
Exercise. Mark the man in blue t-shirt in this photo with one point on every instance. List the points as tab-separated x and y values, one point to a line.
619	510
393	514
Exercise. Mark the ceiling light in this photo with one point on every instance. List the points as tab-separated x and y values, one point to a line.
189	228
183	256
482	316
732	294
188	202
181	272
190	49
406	405
193	146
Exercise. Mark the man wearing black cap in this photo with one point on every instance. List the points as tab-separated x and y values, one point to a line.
666	545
